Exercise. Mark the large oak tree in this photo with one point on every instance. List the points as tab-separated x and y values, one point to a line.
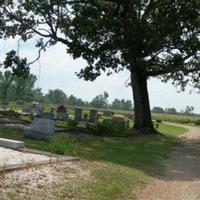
149	38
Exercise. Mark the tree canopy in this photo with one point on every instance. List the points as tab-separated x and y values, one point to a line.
149	38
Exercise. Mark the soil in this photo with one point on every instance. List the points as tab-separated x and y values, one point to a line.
181	180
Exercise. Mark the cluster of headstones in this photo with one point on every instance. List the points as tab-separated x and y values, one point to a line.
43	126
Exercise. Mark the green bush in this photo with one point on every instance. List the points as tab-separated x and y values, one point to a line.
63	145
9	113
158	121
72	123
111	128
197	122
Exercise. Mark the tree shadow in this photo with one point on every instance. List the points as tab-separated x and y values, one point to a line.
148	154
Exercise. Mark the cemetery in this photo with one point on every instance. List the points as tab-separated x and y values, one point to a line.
36	139
117	129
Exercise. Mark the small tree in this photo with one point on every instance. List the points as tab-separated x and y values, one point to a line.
158	110
189	110
149	38
57	96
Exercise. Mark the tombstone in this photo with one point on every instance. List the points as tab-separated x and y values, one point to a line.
26	109
62	113
130	116
78	114
119	120
62	116
19	102
41	129
4	104
47	115
37	111
107	113
93	115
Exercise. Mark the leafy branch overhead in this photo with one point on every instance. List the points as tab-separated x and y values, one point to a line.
157	38
149	38
18	65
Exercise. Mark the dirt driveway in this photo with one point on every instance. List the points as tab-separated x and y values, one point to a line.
181	180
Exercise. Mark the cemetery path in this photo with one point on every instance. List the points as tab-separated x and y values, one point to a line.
181	180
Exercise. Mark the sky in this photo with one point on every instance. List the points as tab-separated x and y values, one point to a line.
57	71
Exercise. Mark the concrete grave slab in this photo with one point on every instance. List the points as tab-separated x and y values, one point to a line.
13	144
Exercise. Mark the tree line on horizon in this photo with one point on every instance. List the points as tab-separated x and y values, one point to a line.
23	88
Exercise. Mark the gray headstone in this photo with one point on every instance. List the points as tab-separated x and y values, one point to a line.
107	113
48	115
78	114
26	109
62	116
41	129
93	115
37	111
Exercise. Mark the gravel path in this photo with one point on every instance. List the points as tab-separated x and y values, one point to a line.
182	173
11	157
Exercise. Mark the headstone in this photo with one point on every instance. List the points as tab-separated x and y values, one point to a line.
41	129
4	104
78	114
107	113
119	120
26	109
37	111
93	115
19	102
47	115
62	116
62	113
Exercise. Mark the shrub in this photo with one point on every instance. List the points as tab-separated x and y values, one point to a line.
197	122
63	145
111	128
10	113
72	123
159	121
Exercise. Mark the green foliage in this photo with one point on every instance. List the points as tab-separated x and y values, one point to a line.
63	145
56	96
147	38
158	121
13	87
111	128
19	66
197	122
9	113
121	104
72	123
100	101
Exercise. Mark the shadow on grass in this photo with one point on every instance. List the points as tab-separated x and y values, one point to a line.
143	153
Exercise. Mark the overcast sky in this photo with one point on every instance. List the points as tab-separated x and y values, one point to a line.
57	70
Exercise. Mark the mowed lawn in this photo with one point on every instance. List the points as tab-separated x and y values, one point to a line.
119	166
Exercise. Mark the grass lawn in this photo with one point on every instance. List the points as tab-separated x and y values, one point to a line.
118	165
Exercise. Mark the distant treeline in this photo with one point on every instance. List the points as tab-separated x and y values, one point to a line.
20	88
23	88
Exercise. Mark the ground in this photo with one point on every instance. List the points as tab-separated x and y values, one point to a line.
114	168
181	180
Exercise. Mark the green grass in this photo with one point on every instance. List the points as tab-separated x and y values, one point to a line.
118	165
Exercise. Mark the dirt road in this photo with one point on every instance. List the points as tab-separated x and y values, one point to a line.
181	179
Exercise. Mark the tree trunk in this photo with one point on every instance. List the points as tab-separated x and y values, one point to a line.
143	121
